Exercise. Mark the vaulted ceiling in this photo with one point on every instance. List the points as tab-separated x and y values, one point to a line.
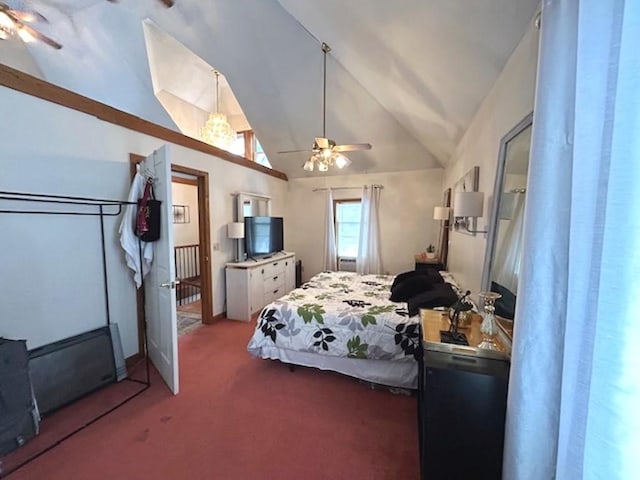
405	76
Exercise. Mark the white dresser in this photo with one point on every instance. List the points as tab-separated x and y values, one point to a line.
253	284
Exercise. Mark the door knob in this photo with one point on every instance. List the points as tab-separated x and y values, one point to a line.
171	284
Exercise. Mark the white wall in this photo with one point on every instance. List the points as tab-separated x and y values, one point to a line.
40	137
508	102
187	195
406	215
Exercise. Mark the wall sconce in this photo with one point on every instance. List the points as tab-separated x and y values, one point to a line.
235	230
467	206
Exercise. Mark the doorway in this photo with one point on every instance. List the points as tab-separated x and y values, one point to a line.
201	180
184	194
203	256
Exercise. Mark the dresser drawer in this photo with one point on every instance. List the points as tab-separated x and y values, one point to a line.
274	282
273	293
272	269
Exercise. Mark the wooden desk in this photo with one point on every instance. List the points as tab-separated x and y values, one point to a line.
462	397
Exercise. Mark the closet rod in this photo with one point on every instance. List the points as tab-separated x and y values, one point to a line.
346	188
63	200
73	200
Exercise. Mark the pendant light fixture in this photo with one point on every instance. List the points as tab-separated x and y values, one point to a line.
217	131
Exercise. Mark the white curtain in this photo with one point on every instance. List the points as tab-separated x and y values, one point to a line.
329	255
509	254
369	259
574	388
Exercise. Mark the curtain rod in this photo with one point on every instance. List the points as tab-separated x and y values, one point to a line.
375	185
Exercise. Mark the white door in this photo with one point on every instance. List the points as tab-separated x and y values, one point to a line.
160	283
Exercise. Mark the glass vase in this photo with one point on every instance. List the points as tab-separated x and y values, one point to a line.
489	327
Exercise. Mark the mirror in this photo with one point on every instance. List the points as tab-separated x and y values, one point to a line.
504	243
250	205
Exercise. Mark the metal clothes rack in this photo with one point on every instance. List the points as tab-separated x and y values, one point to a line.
84	206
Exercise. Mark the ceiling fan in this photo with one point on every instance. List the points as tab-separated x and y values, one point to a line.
167	3
14	21
325	151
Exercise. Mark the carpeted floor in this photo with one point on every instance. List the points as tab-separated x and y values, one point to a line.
242	418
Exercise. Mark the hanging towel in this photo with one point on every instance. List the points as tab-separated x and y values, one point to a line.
128	239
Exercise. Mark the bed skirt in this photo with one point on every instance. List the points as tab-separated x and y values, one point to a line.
401	374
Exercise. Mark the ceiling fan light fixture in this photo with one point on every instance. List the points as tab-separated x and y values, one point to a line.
323	166
308	165
341	161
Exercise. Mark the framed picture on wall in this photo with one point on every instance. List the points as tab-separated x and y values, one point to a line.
181	214
468	183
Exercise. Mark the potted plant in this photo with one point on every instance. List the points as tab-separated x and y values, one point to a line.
431	251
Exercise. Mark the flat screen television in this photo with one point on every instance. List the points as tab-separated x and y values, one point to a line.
263	236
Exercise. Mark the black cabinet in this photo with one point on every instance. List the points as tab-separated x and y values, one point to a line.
434	264
462	404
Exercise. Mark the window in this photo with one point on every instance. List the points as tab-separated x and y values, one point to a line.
237	147
259	156
347	214
247	145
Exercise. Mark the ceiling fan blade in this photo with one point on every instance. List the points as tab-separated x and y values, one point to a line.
30	16
167	3
295	151
39	36
352	147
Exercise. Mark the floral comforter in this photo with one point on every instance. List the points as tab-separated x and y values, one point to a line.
340	314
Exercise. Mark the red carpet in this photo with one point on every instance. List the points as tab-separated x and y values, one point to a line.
242	418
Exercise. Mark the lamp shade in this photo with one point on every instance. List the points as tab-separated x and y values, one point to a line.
235	230
468	204
441	213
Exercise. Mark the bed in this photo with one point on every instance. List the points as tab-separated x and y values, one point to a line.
343	322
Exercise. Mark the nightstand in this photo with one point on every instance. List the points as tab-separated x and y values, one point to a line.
462	401
424	263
